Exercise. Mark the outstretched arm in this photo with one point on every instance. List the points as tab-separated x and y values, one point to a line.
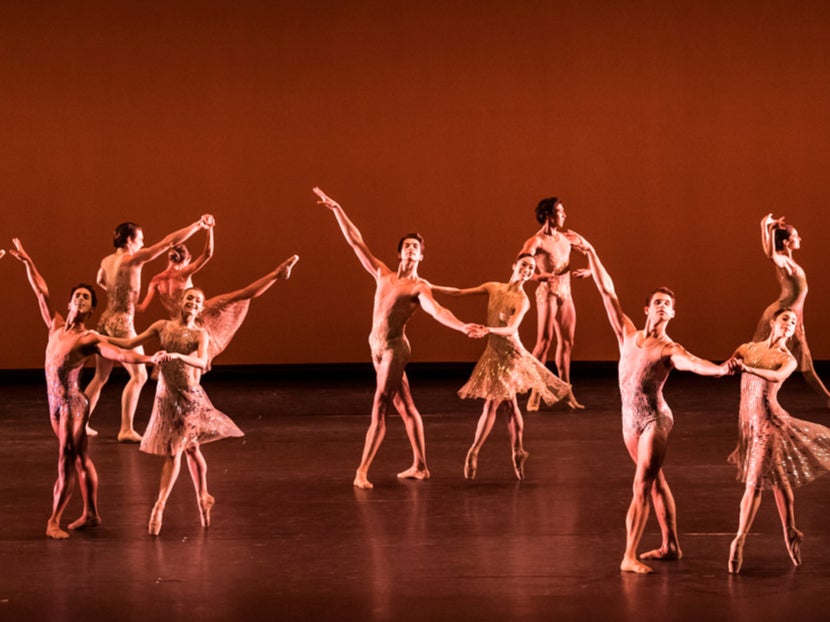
36	281
353	236
93	343
619	321
455	291
177	237
205	256
444	315
683	360
139	340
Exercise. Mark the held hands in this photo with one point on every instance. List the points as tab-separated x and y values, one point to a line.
475	331
769	221
207	221
324	199
162	356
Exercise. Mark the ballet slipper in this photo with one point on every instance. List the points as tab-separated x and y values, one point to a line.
206	502
793	539
736	556
470	465
154	526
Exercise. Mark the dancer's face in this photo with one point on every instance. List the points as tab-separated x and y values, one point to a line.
193	301
661	307
524	268
411	250
557	219
137	241
81	301
784	324
794	240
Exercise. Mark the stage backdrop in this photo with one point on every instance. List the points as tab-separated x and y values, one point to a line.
669	129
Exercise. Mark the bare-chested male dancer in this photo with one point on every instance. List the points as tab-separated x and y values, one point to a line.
120	277
555	312
646	358
397	296
70	345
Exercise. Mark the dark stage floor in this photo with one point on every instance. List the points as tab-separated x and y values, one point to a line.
293	540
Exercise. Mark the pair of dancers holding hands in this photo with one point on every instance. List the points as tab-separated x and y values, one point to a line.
183	418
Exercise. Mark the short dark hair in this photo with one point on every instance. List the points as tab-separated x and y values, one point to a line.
124	232
86	286
178	253
546	208
411	236
661	290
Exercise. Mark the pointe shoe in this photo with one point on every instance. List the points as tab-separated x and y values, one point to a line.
205	504
154	526
519	459
736	556
794	538
470	465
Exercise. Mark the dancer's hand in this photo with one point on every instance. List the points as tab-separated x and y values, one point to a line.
207	221
325	199
18	252
475	331
162	356
581	273
577	241
2	253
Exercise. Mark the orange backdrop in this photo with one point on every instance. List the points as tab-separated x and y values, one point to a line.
669	129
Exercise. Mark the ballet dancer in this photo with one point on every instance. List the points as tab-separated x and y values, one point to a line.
506	367
183	416
120	276
555	311
774	450
398	294
70	346
646	358
779	240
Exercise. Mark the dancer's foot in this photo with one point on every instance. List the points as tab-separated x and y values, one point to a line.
630	564
154	526
86	520
667	553
414	472
54	531
205	504
573	404
129	436
519	459
361	481
90	431
284	269
793	539
470	465
736	555
533	401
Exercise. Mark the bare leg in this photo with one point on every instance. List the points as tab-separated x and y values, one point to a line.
129	401
197	466
565	328
785	502
414	425
546	310
749	507
648	451
103	368
801	351
483	428
88	479
389	377
666	512
515	427
169	474
62	490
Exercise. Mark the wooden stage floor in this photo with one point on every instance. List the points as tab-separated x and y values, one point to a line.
291	538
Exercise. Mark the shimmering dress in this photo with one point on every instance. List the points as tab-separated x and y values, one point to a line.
63	388
642	374
506	367
182	416
117	318
774	447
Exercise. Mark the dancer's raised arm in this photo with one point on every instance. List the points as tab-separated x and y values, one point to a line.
177	237
36	281
353	236
444	315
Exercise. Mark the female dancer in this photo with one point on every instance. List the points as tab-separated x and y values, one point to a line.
774	450
506	367
183	417
779	240
176	277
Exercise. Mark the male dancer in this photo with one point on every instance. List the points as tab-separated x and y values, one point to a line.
555	312
70	345
646	358
120	277
397	295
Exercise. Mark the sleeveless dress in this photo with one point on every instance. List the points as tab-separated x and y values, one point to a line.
774	447
642	374
182	416
506	367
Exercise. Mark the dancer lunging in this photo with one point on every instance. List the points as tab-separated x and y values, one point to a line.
70	346
398	294
646	358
